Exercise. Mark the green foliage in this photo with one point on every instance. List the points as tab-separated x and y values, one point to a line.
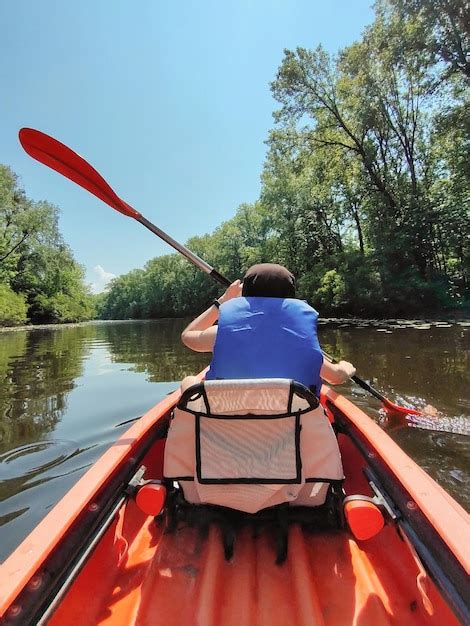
61	307
36	266
443	30
13	309
332	291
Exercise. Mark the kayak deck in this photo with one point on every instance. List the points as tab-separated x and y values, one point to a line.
181	578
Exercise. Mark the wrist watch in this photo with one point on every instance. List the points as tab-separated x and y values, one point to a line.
216	303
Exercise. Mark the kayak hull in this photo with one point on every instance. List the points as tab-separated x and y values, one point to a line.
175	579
76	567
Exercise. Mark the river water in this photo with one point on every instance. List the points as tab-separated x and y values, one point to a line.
67	393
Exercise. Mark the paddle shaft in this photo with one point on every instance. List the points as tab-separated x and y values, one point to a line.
67	162
193	258
369	389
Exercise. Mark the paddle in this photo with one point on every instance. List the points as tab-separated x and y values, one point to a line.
62	159
388	404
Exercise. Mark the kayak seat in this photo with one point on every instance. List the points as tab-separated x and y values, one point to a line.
252	448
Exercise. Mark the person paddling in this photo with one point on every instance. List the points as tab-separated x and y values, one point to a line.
263	331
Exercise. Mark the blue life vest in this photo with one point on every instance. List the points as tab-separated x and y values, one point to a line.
267	338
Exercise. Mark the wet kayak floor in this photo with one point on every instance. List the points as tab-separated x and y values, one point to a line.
181	579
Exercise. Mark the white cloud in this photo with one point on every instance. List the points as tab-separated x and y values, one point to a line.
100	278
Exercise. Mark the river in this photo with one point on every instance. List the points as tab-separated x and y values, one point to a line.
67	393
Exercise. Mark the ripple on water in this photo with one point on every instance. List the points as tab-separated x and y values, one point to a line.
35	458
458	424
33	477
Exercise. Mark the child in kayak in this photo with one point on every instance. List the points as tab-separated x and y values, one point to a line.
270	335
263	332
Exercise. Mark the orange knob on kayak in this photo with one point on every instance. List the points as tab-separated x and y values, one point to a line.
364	518
150	498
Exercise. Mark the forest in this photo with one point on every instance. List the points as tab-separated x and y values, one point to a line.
365	188
364	191
40	282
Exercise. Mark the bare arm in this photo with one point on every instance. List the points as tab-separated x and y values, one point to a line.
337	373
200	334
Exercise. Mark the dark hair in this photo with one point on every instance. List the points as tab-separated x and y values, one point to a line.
268	280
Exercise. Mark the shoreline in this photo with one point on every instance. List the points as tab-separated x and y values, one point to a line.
27	327
463	319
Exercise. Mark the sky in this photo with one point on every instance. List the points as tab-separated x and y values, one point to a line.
169	101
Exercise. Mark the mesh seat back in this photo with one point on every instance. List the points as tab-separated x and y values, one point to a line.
268	396
248	450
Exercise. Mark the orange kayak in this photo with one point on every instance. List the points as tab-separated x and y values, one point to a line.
99	559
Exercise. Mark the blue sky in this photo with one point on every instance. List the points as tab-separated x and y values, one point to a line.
170	101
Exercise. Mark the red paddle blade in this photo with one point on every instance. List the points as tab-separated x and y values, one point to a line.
394	408
62	159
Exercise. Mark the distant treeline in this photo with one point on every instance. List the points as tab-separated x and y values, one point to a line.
40	281
365	189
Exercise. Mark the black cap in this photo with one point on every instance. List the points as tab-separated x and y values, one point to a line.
269	280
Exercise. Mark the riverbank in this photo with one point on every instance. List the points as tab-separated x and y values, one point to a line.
10	329
416	322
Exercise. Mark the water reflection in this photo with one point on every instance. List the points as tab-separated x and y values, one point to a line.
37	371
154	347
423	366
28	466
67	393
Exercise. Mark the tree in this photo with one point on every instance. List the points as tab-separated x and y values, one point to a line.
35	263
22	223
443	28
